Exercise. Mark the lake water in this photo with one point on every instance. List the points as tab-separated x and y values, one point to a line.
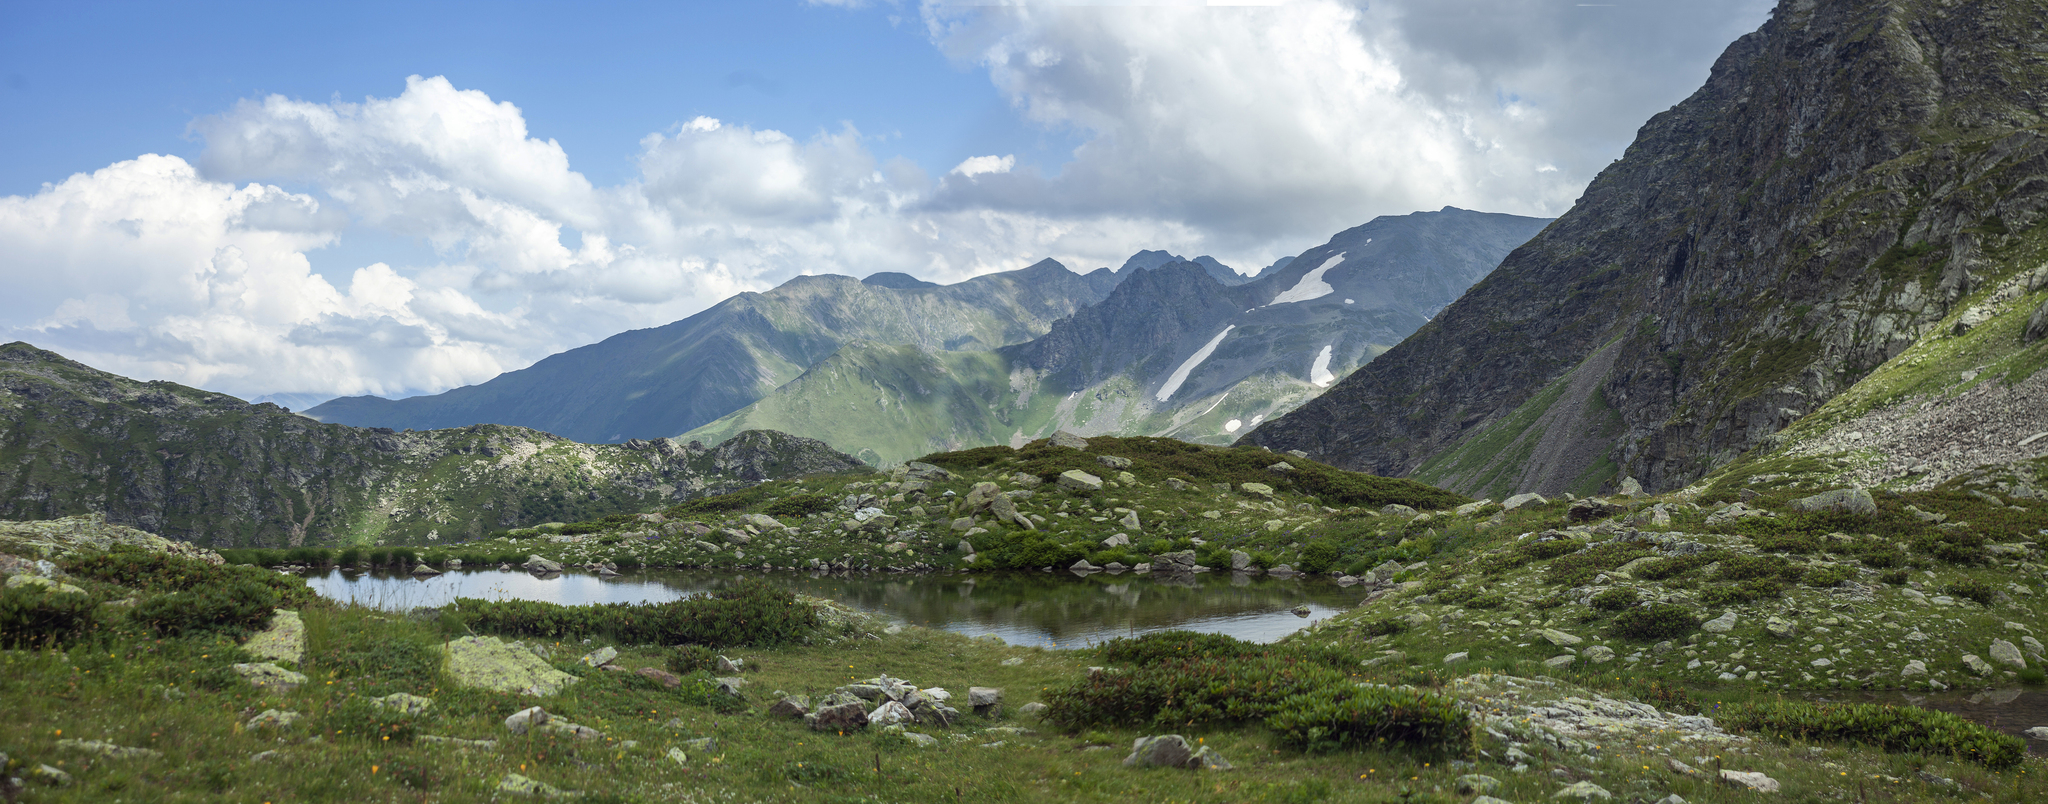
1054	610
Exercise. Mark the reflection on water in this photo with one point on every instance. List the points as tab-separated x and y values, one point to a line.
1056	610
2011	710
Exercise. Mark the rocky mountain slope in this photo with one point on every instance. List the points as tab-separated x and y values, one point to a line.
211	469
1852	182
1171	351
658	382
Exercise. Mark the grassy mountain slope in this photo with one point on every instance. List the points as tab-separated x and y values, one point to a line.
209	468
659	382
1848	178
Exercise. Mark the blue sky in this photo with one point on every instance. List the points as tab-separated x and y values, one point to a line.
402	198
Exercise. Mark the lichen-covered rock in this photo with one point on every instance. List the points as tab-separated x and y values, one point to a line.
44	584
491	664
1845	501
404	702
1173	751
1077	480
517	785
268	676
71	535
283	641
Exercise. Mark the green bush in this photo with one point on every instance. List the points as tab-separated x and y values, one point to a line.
1354	717
1735	594
377	662
1972	589
231	607
1885	558
33	618
1903	729
1319	556
752	613
1579	569
1178	679
724	503
1952	546
160	572
1264	560
800	505
1387	626
1490	600
1895	577
1615	599
1744	568
686	659
1675	566
1655	622
1827	577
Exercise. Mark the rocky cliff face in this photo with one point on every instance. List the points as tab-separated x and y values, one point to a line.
1848	178
659	382
211	469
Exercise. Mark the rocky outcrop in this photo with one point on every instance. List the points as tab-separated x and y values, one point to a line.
490	664
1761	246
208	468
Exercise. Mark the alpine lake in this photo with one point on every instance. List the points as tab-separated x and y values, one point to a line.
1057	609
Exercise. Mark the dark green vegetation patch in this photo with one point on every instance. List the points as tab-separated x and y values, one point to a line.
1907	729
751	613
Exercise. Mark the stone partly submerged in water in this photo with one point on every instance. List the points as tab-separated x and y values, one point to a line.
503	667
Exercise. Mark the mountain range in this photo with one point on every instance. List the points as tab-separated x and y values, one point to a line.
1841	233
1171	351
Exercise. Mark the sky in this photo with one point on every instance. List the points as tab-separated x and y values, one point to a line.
301	201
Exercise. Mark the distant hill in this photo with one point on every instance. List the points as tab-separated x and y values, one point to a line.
658	382
209	468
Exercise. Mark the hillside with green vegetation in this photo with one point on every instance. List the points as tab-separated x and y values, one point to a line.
205	467
1640	646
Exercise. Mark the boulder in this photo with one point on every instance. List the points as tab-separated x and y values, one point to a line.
1062	438
1722	624
1914	668
1177	561
1599	654
1630	487
516	785
1476	784
1559	638
1117	540
268	676
1077	480
1397	509
1977	665
1113	461
1520	500
729	666
664	677
2008	654
842	715
490	664
1780	627
1749	780
1844	501
1130	521
542	566
1026	480
283	641
1083	566
791	706
1256	489
731	687
527	719
2037	733
890	713
109	750
918	470
46	585
405	702
2037	325
273	719
1240	561
984	700
1583	791
1172	751
600	657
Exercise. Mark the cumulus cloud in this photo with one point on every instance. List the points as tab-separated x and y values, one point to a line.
1248	133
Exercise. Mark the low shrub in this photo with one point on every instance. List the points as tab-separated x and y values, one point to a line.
1264	560
1827	577
1895	577
1902	729
1581	568
1675	566
1615	599
1488	601
1183	679
1319	556
160	572
1802	543
723	503
2033	676
1383	627
1744	568
33	618
1972	589
686	659
1352	717
1735	594
1882	558
1655	622
376	662
232	607
798	505
752	613
1952	546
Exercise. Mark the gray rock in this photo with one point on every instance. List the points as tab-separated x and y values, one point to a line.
1520	500
1722	624
729	667
1559	638
423	569
1256	489
1561	661
1117	540
49	776
2037	733
1599	654
1846	501
273	719
1977	665
1033	709
1172	751
516	785
542	566
1083	566
1077	480
1280	468
405	702
1630	487
840	716
2006	653
1397	509
1240	561
1062	438
1458	657
268	676
1130	521
600	657
791	706
1477	784
284	640
731	687
1113	461
890	713
1780	627
2037	325
1749	780
107	749
1583	791
1179	561
1914	668
527	719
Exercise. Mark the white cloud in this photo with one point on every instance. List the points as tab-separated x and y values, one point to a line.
1245	133
976	165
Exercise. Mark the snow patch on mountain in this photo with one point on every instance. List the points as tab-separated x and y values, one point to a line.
1319	371
1180	375
1311	285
